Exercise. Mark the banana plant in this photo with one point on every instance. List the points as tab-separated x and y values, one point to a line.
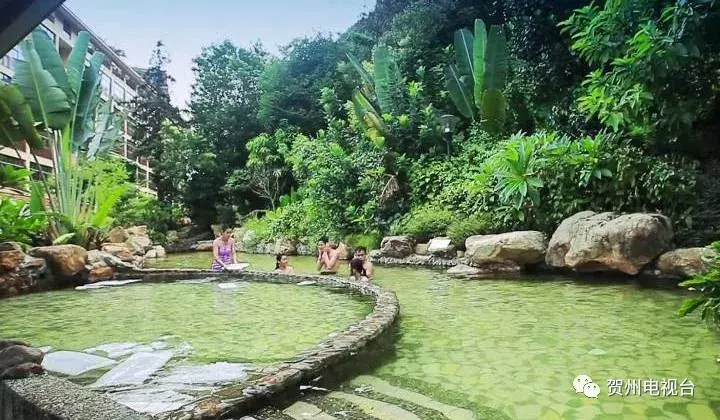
380	93
56	103
477	80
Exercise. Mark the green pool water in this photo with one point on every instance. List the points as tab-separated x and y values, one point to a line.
515	346
256	322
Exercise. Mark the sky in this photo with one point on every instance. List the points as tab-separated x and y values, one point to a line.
185	26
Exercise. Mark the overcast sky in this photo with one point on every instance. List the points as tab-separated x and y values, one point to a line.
185	26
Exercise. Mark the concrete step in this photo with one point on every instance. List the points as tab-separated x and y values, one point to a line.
383	387
378	409
306	411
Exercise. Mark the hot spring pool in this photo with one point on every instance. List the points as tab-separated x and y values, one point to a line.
511	349
257	323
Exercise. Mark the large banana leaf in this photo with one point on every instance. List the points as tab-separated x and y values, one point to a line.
382	63
367	114
17	123
464	51
47	99
460	88
76	63
88	100
51	61
364	75
496	62
480	43
493	110
107	133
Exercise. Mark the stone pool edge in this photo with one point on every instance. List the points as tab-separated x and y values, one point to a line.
279	379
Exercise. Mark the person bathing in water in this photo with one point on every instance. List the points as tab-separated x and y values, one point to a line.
224	251
328	261
361	254
357	271
282	265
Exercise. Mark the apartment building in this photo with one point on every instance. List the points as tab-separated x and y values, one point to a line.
119	83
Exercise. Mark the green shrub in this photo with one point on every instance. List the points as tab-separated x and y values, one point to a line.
479	224
134	210
368	240
19	224
708	284
424	223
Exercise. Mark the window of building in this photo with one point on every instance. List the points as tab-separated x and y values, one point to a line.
67	29
11	58
47	30
5	78
119	92
106	83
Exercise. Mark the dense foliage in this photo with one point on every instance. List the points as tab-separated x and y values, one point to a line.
708	286
409	123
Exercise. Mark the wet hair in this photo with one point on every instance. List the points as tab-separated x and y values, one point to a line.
361	248
324	239
278	257
356	266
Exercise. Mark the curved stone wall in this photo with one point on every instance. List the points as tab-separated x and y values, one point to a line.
286	377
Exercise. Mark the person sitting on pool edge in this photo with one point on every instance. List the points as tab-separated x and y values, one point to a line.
328	261
357	271
361	254
282	265
224	251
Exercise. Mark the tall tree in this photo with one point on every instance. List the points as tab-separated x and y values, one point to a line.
224	103
291	86
150	109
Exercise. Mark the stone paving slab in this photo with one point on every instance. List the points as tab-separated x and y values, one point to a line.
135	370
378	409
384	387
74	363
151	401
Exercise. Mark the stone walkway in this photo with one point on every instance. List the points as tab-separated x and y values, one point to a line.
372	405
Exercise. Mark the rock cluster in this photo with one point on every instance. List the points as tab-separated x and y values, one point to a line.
20	273
19	360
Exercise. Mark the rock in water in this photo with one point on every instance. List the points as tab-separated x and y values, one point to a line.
65	261
17	355
135	370
504	252
73	363
397	246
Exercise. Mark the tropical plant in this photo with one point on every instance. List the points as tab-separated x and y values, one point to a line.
63	100
15	178
425	222
20	222
708	286
478	224
478	77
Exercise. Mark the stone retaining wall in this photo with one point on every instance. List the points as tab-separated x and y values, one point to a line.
51	398
285	378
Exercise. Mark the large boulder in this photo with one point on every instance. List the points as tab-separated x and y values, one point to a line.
65	261
397	246
421	249
343	251
608	242
442	247
11	256
119	250
156	252
462	270
684	262
560	242
19	354
137	231
506	252
99	271
285	246
139	244
203	246
117	235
